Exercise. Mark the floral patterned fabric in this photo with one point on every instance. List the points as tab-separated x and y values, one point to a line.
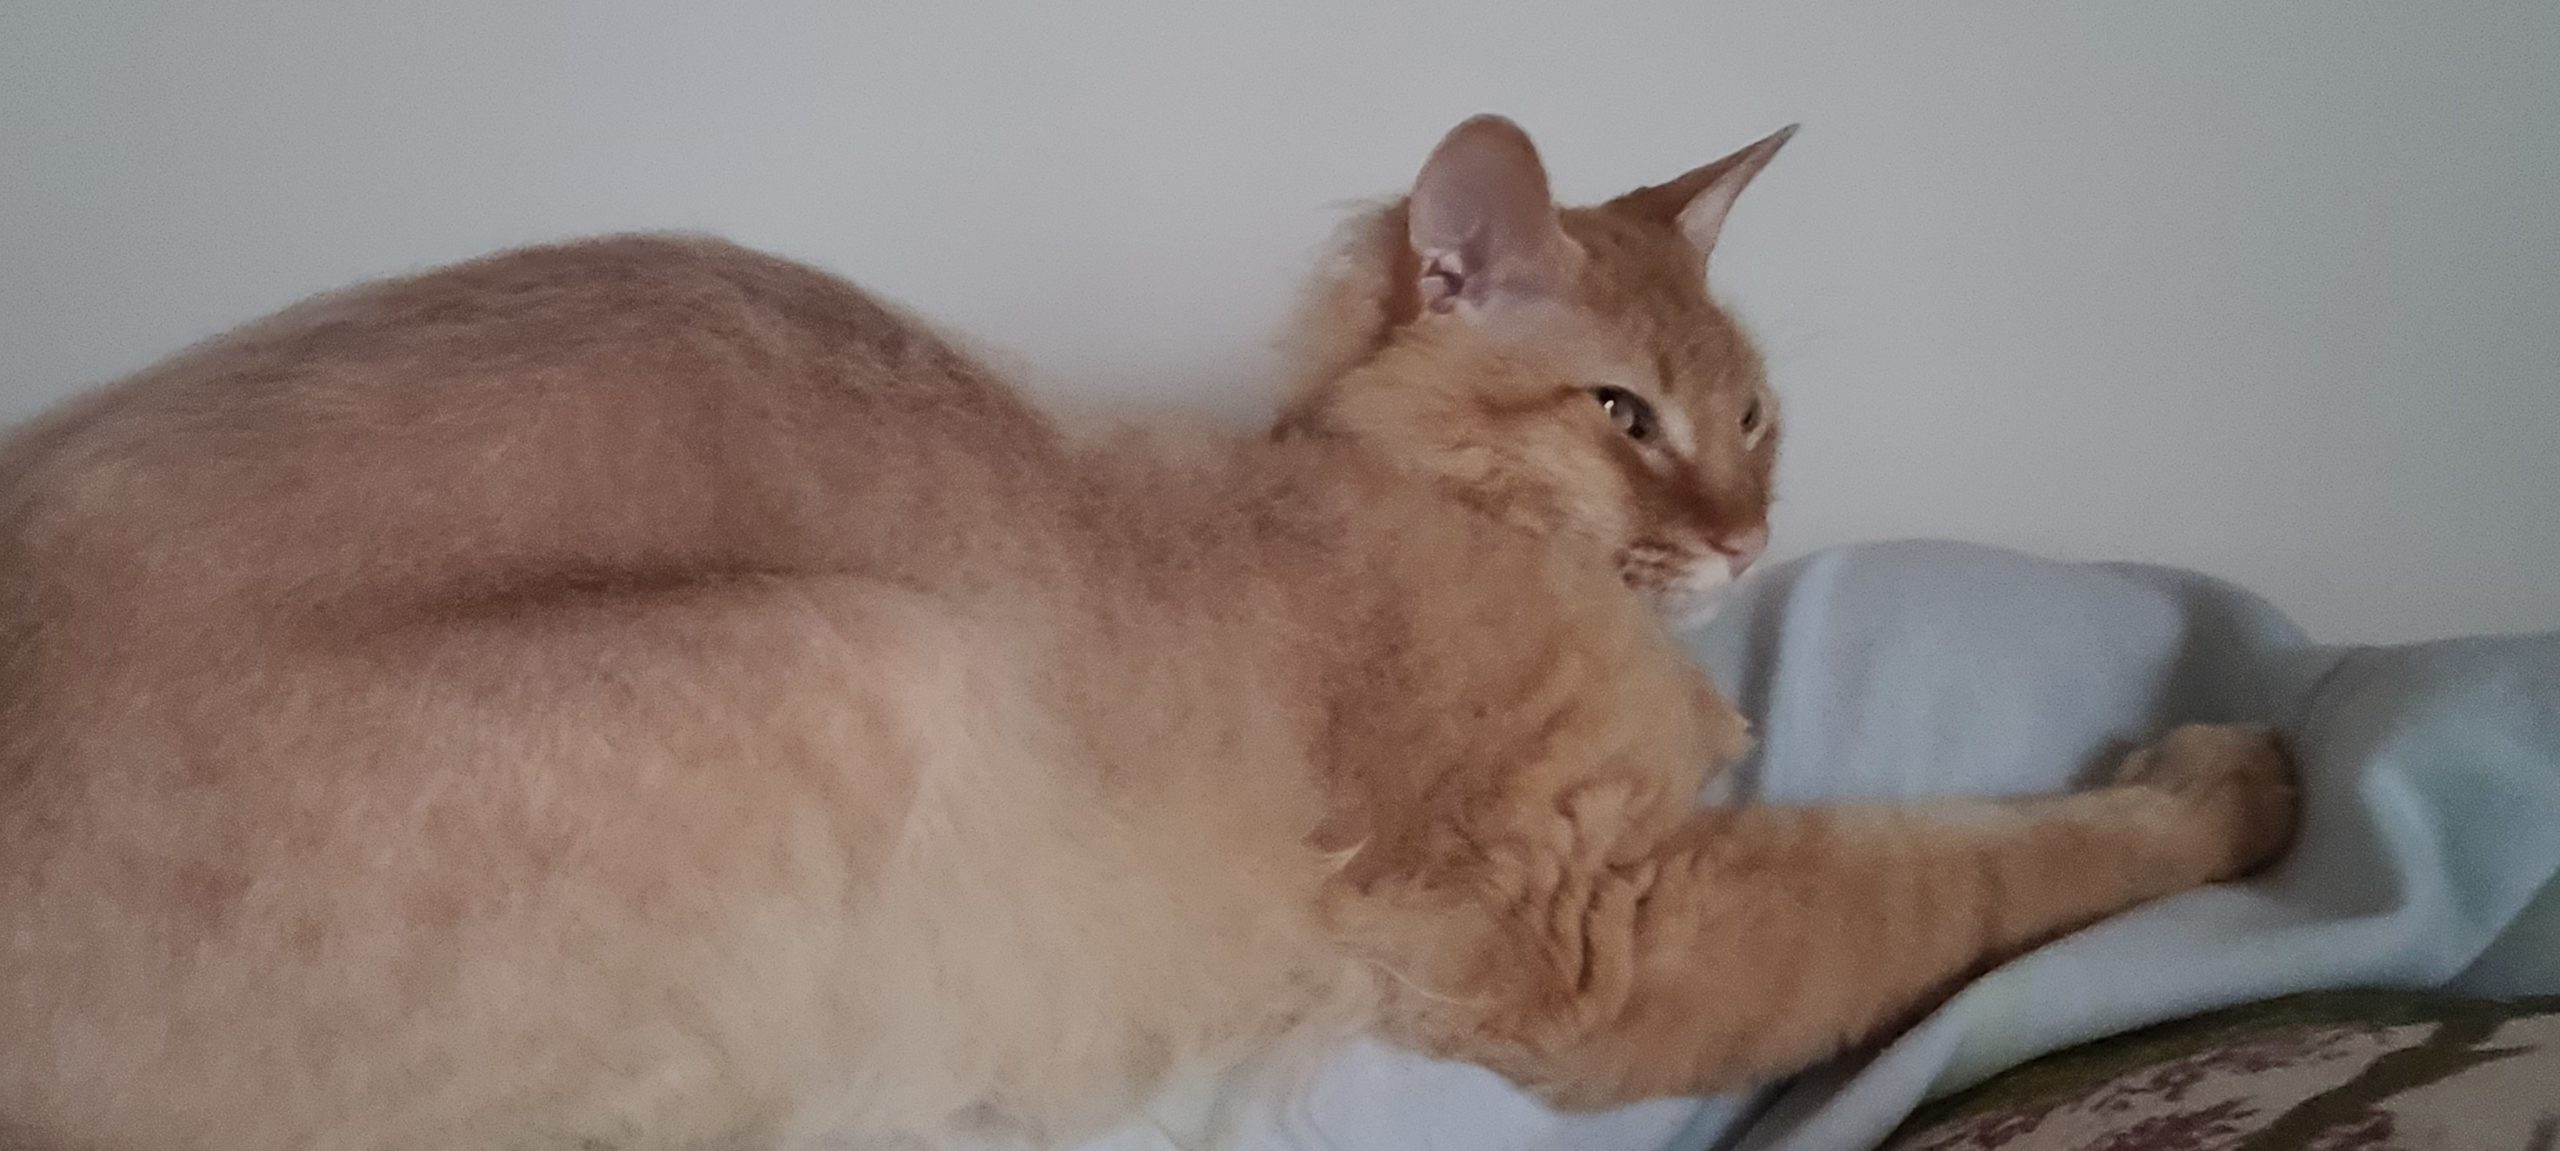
2349	1071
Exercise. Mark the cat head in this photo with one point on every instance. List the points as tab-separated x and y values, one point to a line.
1561	368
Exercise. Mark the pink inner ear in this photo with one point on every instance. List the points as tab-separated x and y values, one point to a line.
1481	218
1441	281
1698	200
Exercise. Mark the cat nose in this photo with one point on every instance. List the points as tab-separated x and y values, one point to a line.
1744	546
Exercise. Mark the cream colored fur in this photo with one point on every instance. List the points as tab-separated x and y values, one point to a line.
642	693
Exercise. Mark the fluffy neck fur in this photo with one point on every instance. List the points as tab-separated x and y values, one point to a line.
1342	646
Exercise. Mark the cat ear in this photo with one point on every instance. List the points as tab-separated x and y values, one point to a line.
1482	223
1699	199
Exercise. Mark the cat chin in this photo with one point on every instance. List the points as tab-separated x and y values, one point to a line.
1690	602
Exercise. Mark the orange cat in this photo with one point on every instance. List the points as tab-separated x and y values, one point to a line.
645	694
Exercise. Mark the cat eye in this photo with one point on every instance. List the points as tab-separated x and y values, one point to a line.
1751	416
1627	412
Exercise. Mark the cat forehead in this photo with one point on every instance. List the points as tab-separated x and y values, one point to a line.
1644	289
1636	256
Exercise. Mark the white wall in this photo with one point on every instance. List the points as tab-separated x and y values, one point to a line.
2270	289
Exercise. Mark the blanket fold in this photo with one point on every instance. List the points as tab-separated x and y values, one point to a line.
2429	853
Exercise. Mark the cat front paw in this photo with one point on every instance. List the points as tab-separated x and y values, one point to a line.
2231	784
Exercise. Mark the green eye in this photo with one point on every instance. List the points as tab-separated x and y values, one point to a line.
1627	412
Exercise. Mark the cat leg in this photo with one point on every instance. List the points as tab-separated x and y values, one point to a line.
1753	941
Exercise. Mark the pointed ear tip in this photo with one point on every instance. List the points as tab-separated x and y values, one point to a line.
1488	122
1489	127
1774	140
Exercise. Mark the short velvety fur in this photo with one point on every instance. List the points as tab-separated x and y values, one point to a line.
642	693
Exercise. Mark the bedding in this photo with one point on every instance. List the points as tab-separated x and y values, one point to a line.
2336	1071
2427	857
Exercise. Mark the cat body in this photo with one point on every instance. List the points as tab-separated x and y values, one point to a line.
643	693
